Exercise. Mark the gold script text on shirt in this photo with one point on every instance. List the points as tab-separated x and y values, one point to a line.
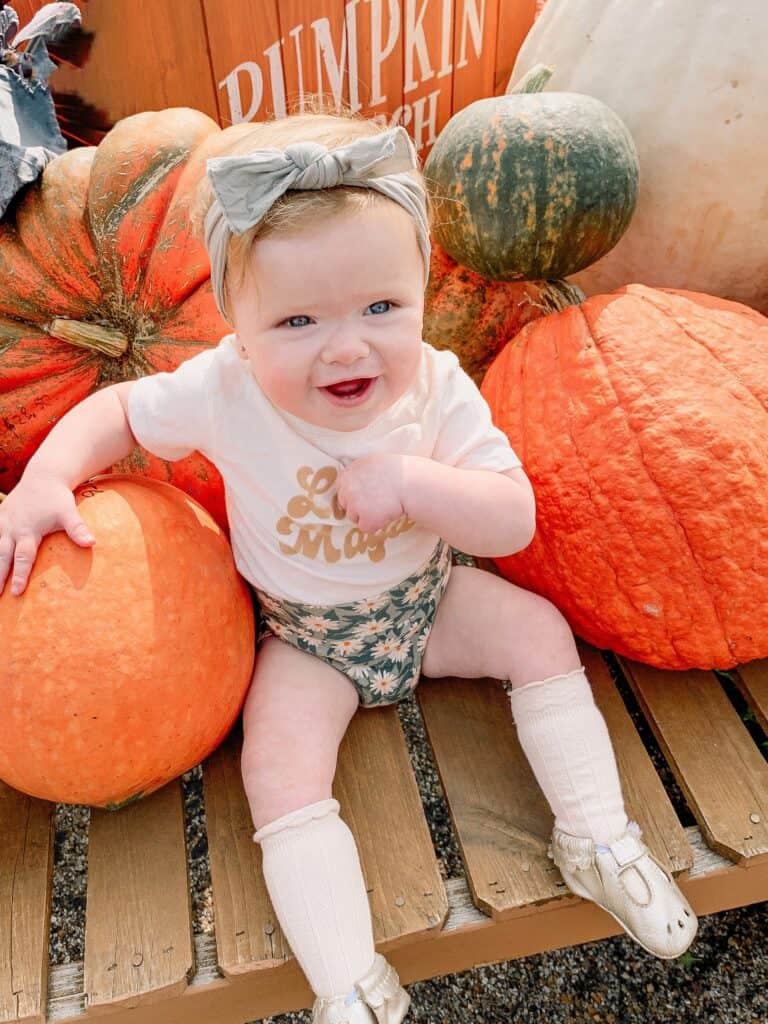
315	540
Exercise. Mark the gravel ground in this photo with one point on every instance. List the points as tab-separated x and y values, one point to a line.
722	980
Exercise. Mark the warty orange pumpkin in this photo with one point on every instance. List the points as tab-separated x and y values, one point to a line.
641	418
125	664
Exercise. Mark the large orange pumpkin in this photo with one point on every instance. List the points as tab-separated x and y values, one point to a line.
123	665
103	281
641	418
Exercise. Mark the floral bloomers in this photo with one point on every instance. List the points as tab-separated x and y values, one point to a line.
378	642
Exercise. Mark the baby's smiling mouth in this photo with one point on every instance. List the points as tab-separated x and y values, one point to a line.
348	387
349	391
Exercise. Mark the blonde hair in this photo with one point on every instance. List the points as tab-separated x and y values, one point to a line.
324	123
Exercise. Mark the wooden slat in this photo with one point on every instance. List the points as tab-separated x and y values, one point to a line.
645	798
752	680
502	819
26	868
138	930
379	801
717	765
247	932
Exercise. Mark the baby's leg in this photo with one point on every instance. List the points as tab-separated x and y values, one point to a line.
295	715
294	718
486	626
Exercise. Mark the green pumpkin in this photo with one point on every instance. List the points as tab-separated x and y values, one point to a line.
532	185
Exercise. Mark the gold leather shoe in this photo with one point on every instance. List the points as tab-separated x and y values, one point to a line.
627	881
381	999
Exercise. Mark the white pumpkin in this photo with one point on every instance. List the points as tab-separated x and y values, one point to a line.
690	81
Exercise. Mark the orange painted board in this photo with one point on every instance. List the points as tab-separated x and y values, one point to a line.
515	20
375	39
246	59
427	69
475	29
142	61
315	50
25	9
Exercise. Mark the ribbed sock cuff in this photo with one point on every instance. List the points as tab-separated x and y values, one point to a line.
295	819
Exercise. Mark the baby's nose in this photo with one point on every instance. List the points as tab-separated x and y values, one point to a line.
345	346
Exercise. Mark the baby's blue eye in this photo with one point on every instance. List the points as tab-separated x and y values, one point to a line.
291	321
376	307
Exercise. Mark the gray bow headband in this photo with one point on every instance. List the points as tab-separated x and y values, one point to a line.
246	186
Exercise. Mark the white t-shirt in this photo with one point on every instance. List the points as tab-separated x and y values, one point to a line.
289	536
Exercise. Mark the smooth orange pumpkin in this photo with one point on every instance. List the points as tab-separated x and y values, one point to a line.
103	281
641	418
123	665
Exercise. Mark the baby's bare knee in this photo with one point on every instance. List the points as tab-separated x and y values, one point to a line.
548	646
549	622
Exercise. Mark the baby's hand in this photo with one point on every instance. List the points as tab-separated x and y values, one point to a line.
35	507
370	491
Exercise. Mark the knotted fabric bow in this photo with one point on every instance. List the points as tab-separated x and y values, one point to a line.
246	186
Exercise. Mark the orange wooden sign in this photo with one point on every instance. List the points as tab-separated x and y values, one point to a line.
409	62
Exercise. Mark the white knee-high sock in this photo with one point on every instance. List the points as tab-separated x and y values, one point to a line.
314	879
566	741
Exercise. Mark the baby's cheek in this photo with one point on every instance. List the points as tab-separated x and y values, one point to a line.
279	381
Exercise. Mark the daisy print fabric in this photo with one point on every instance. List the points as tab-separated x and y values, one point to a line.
377	642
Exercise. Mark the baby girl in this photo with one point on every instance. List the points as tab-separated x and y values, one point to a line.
354	457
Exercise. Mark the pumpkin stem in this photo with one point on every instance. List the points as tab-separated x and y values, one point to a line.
91	336
533	80
558	295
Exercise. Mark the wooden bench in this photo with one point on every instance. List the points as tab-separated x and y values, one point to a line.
143	964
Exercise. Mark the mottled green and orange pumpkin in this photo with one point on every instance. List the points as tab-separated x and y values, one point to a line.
641	418
533	185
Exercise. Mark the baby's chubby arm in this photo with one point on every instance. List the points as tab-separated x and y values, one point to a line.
482	512
88	439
